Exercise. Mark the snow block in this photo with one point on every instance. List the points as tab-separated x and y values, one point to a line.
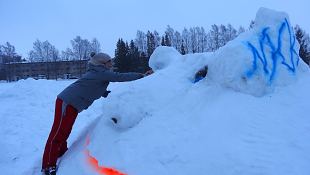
259	59
162	57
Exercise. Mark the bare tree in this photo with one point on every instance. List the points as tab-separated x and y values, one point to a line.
215	37
8	50
194	40
141	41
231	33
1	50
45	52
95	46
157	39
222	35
67	54
201	39
178	41
8	54
81	49
78	47
37	53
186	40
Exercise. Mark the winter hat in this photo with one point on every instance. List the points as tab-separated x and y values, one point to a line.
99	58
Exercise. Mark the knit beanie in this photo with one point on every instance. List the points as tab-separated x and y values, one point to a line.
99	58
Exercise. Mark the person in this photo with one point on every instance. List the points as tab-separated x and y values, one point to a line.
77	97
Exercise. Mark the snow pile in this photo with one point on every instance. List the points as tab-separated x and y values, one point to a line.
260	59
169	125
160	61
255	62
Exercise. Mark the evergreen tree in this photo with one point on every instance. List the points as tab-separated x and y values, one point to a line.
144	63
169	37
150	43
121	61
304	42
134	57
163	43
167	40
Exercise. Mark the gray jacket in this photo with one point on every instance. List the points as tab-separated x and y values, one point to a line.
93	85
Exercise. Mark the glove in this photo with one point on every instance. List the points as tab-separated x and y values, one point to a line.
149	72
106	93
202	72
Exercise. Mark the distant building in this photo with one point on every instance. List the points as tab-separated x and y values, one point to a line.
43	70
2	72
6	59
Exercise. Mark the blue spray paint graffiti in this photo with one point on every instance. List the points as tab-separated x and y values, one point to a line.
276	52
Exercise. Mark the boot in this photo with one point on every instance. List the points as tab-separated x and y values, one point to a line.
49	171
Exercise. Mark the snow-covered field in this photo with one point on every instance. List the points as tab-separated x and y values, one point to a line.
26	115
249	116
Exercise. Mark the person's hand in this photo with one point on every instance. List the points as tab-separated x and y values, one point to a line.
106	93
202	72
149	72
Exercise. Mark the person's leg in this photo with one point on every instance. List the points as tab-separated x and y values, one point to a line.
63	149
68	121
48	146
63	122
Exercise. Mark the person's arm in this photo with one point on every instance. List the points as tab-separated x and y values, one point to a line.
121	77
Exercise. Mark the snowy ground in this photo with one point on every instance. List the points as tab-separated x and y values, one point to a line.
26	115
241	134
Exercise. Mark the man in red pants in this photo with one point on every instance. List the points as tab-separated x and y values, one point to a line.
76	98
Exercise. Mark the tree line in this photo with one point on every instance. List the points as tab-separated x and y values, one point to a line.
134	55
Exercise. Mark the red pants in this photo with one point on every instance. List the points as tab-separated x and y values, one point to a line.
56	144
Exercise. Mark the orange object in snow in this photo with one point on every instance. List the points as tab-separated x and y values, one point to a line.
95	165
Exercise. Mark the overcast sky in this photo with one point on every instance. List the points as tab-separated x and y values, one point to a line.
59	21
